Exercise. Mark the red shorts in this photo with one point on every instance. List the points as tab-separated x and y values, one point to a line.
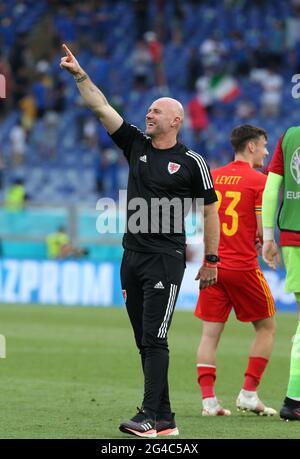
247	292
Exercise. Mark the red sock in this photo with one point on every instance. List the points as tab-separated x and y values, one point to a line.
206	380
254	372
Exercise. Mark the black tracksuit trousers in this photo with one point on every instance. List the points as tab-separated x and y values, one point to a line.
150	284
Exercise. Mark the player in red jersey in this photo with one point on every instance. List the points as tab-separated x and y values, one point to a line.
241	284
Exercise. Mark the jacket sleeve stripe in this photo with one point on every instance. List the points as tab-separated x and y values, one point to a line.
207	182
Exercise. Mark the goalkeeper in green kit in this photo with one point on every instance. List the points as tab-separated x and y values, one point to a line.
284	170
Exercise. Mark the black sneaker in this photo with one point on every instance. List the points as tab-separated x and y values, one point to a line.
290	410
140	425
167	427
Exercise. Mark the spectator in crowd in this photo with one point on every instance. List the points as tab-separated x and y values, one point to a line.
42	87
102	20
59	246
245	109
58	96
238	55
58	243
49	139
271	83
65	23
204	92
20	86
277	44
293	27
16	197
90	135
141	62
20	56
141	17
17	145
28	112
156	52
99	65
198	118
211	51
272	95
194	69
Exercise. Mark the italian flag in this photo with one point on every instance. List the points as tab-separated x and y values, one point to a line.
224	87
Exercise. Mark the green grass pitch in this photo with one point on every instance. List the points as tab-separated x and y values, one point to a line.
75	373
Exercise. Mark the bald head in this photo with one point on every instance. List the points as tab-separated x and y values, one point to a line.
164	118
172	105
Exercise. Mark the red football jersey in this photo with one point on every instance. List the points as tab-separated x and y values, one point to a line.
239	188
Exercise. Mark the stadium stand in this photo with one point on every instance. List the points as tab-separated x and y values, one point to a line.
222	52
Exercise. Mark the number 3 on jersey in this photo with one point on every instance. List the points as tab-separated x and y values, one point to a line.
234	196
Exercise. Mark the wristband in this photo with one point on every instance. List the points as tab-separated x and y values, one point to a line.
268	234
211	265
81	79
211	258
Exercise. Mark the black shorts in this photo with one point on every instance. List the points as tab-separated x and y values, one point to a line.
150	284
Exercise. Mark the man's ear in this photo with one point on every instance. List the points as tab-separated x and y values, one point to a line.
176	121
251	146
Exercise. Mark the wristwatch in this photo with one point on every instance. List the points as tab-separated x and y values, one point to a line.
212	258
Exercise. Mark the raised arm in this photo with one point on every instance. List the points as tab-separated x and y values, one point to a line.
91	95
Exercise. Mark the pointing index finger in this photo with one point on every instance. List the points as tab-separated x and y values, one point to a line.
67	51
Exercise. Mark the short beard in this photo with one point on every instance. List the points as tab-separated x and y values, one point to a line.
154	134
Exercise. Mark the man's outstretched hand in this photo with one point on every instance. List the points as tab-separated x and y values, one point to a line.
70	63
